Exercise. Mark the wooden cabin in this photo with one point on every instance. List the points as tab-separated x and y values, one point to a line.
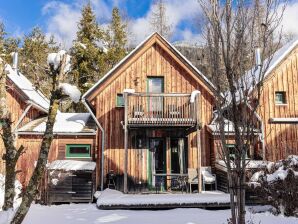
153	107
74	133
279	104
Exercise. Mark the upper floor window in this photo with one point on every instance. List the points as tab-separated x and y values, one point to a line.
120	100
280	97
78	151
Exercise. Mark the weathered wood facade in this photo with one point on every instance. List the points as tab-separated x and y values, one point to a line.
154	58
281	134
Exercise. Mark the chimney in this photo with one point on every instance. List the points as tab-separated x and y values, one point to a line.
15	61
258	57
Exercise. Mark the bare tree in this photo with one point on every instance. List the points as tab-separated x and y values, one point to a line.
235	31
159	21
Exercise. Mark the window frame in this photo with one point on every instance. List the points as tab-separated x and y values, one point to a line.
283	95
118	100
69	155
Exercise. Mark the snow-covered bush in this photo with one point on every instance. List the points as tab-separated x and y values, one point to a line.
278	184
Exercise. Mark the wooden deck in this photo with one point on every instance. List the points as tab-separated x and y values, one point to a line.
111	199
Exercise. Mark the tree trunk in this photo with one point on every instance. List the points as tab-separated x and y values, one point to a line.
31	190
11	154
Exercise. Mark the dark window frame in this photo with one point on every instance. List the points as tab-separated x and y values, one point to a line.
68	154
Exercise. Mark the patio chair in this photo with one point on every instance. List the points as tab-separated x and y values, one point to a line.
192	177
208	177
138	111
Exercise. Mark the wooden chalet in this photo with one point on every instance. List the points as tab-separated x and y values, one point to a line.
74	135
153	108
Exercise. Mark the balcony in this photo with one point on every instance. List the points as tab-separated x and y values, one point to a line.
160	110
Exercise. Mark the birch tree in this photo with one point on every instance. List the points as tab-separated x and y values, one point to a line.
235	31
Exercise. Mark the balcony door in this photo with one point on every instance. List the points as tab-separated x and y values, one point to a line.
155	104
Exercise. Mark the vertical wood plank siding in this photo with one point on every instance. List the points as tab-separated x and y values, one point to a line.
281	138
155	61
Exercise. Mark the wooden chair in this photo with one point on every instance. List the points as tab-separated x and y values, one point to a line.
208	177
192	177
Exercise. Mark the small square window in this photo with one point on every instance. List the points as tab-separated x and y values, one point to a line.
280	97
120	100
78	151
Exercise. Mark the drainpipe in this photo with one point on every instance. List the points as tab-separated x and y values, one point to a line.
102	140
262	138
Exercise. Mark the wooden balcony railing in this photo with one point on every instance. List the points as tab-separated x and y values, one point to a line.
160	109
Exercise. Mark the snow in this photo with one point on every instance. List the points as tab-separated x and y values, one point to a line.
54	181
129	91
6	216
71	165
193	95
284	120
72	91
112	197
82	45
207	176
27	88
88	213
279	174
65	123
55	60
18	190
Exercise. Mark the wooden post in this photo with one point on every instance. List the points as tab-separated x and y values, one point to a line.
125	141
199	145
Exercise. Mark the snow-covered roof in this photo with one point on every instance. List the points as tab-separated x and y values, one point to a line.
81	123
228	127
200	74
26	87
284	120
252	77
71	165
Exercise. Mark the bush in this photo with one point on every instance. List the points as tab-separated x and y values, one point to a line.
278	184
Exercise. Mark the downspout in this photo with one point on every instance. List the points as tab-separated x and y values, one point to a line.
102	140
262	138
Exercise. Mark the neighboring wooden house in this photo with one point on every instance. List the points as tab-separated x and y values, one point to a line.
74	133
153	117
277	116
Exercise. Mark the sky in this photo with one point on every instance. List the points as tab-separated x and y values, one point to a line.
60	17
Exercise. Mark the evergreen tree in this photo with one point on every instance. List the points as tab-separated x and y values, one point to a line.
116	38
88	59
33	58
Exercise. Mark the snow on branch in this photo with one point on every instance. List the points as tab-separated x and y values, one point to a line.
72	91
54	59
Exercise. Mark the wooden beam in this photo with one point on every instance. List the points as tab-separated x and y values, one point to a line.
125	141
199	144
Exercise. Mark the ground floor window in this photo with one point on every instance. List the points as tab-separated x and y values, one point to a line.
78	151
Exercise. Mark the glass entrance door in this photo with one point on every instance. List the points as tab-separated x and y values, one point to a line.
179	155
158	157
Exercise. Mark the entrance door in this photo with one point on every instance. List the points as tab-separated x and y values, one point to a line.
179	155
158	157
155	85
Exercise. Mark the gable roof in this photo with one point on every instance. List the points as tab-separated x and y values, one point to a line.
276	59
27	88
198	73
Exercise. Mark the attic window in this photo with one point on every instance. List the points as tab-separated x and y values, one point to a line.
280	97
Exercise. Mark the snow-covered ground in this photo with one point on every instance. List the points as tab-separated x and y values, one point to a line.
88	213
114	198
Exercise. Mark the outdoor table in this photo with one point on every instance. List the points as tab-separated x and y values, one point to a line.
180	177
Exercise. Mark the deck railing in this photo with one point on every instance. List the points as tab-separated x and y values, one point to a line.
160	109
